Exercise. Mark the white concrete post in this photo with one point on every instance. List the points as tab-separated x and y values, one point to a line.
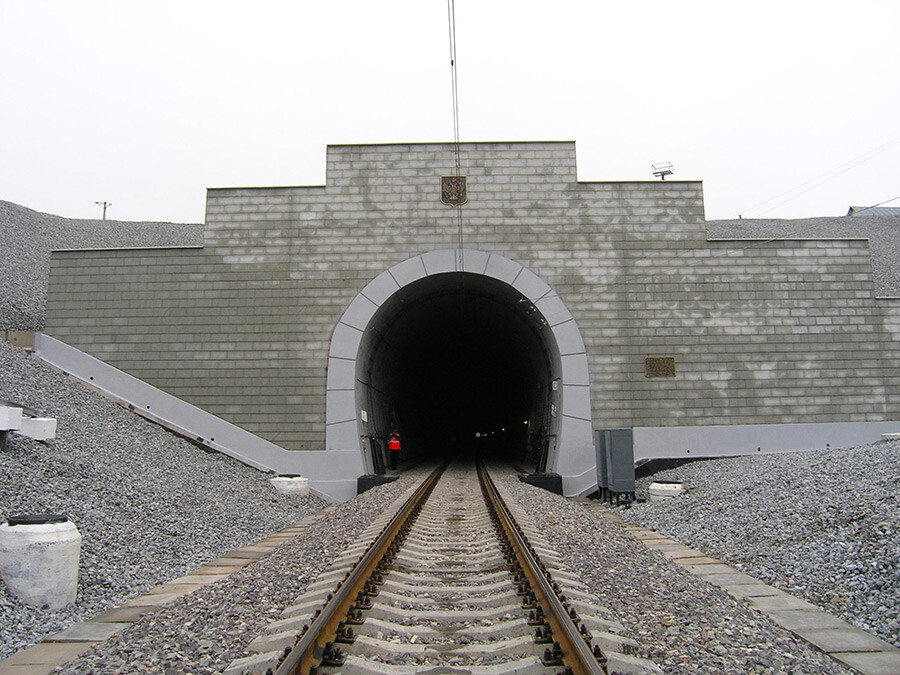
39	562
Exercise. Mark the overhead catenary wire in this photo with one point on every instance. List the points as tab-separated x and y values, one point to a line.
685	262
451	20
886	201
825	177
454	80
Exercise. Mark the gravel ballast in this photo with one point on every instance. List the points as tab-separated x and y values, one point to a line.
883	233
150	505
204	632
823	525
28	237
682	623
685	624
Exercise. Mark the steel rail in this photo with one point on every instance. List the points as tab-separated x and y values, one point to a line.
309	650
576	652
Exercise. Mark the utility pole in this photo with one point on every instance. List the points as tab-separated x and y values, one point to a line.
104	204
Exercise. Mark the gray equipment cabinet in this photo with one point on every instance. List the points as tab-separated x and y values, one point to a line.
615	464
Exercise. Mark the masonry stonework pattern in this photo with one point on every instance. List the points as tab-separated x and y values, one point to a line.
774	332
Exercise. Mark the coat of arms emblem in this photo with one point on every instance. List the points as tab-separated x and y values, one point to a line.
453	190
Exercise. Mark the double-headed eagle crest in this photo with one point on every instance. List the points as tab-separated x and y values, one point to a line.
453	190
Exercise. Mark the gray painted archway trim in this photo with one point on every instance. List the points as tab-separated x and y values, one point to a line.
575	460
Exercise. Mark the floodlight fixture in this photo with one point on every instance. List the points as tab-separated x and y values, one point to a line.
662	170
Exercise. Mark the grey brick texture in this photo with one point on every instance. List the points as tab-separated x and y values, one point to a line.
784	331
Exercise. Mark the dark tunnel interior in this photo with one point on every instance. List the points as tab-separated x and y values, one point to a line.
461	361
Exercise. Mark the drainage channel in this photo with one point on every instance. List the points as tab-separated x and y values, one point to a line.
453	583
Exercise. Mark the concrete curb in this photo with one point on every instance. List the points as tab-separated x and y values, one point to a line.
58	649
842	641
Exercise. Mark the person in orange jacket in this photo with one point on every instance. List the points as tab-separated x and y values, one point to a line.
394	448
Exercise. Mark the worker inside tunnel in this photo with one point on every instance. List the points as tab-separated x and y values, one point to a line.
460	362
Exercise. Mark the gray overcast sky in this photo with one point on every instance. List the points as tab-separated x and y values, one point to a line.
146	104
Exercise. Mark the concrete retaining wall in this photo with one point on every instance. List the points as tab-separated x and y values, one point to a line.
777	332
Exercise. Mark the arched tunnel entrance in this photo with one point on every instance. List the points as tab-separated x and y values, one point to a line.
460	361
449	346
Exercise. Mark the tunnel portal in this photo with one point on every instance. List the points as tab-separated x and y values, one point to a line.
460	361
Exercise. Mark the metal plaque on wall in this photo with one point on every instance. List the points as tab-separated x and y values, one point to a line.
453	190
659	366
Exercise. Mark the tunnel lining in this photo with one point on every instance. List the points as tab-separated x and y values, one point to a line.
459	360
574	455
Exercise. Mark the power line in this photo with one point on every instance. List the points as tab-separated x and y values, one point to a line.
851	164
454	80
451	18
886	201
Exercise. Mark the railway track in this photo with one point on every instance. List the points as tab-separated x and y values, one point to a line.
455	581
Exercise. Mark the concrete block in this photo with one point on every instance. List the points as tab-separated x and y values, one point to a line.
844	640
381	288
798	619
437	262
625	664
291	485
553	309
871	663
39	562
568	338
781	602
257	663
43	658
474	261
577	401
575	369
409	271
10	418
359	313
273	642
345	341
18	338
88	631
38	428
342	436
502	268
341	374
530	285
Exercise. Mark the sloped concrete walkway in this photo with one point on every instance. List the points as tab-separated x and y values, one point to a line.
842	641
60	648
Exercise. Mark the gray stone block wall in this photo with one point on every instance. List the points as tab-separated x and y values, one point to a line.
779	333
761	332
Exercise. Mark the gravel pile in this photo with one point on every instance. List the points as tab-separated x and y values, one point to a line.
685	624
821	525
883	233
150	505
29	236
204	632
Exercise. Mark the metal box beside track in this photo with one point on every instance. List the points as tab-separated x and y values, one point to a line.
615	464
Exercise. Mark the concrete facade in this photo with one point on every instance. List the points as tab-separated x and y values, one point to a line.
783	332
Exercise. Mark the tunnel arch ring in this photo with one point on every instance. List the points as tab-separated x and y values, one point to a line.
574	460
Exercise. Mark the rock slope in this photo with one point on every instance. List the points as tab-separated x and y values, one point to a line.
823	525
